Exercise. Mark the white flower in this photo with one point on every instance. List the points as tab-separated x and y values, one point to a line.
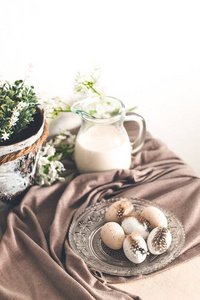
59	138
59	166
5	136
49	165
15	112
48	150
21	105
71	139
43	161
13	121
80	89
54	167
52	105
86	85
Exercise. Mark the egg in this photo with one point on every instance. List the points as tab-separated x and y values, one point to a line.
117	210
112	235
136	223
159	240
155	216
135	248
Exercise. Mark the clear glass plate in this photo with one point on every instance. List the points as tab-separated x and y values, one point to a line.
85	240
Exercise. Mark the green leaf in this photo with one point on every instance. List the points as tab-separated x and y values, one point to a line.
46	169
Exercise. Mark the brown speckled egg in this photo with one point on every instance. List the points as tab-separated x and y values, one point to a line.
159	240
117	210
155	216
112	235
136	223
135	248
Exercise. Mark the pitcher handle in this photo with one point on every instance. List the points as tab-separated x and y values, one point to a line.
139	142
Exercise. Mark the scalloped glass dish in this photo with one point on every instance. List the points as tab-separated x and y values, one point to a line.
85	240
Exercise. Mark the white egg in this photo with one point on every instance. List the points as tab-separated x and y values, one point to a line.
155	216
136	223
117	210
112	235
159	240
135	248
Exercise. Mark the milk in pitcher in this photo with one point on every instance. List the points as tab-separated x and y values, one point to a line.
102	148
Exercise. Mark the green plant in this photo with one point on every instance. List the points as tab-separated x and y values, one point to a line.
18	104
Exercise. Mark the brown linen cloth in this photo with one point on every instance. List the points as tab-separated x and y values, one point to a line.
36	261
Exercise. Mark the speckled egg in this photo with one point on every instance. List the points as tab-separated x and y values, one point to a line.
155	216
136	223
112	235
117	210
159	240
135	248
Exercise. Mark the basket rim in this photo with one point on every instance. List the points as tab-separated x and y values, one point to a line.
10	148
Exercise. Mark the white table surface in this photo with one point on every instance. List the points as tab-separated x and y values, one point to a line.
181	282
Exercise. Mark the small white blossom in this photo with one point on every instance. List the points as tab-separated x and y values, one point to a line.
5	136
58	165
85	85
21	105
71	139
13	121
48	171
50	151
15	112
49	165
59	138
43	161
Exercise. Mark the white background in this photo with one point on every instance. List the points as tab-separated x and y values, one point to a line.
148	52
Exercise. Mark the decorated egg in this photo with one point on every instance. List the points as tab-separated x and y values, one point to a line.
117	210
112	235
136	223
159	240
135	248
155	216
